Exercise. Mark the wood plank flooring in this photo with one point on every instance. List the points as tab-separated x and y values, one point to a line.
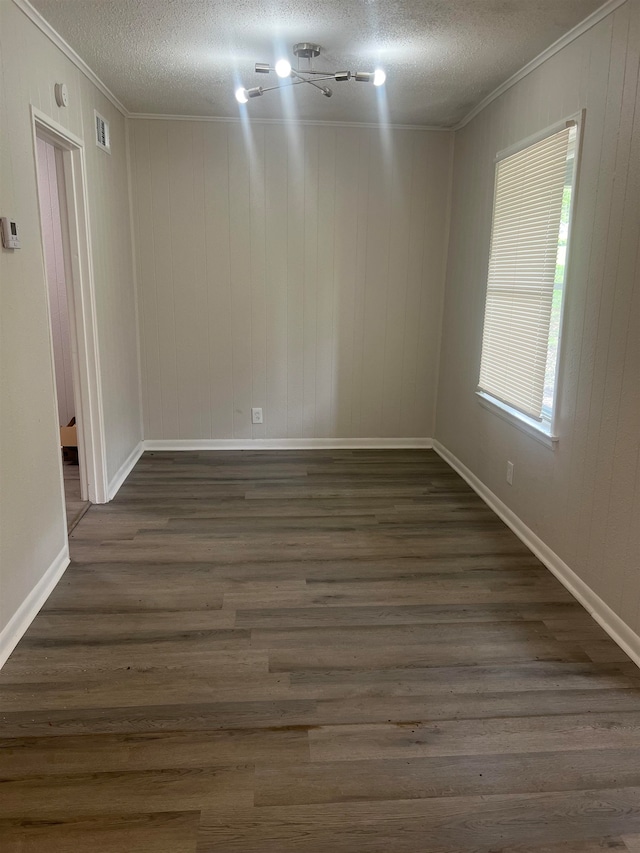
313	652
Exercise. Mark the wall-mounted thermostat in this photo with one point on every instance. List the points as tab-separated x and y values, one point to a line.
62	94
10	239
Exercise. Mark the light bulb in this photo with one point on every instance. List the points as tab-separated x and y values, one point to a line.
283	68
379	77
241	95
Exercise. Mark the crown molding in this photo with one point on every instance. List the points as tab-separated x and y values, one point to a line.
290	122
581	28
606	9
45	27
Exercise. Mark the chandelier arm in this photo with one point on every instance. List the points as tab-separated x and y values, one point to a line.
283	85
322	89
306	71
324	77
312	82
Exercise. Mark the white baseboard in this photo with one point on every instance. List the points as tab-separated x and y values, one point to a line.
13	632
124	470
618	630
289	444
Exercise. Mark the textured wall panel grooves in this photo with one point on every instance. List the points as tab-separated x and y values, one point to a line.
296	269
33	525
583	500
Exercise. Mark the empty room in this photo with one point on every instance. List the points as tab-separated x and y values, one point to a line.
320	426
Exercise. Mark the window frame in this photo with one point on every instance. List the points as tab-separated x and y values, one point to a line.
545	431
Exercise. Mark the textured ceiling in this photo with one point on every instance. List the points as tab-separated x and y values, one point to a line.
186	57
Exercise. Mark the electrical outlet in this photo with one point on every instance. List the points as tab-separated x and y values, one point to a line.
256	416
510	473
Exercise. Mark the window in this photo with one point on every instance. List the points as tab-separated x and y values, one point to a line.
534	189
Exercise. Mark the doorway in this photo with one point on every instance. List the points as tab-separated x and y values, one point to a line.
60	171
55	238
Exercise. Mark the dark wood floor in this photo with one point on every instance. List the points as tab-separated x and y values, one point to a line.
313	653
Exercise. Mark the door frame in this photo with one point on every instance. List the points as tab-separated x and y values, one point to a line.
81	300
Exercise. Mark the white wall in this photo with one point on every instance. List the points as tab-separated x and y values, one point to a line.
56	279
583	500
32	518
300	270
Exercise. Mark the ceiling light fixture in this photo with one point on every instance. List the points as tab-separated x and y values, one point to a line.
295	76
283	68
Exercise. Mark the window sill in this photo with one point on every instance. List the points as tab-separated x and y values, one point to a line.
518	419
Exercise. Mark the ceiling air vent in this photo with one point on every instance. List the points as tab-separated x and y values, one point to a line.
102	133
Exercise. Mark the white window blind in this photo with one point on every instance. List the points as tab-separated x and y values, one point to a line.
527	214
